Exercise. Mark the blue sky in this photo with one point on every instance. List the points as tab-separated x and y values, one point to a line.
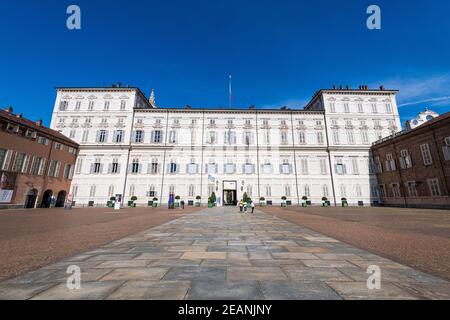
279	52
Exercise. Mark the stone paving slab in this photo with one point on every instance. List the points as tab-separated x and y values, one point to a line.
222	254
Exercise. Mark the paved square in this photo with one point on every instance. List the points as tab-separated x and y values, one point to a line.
222	254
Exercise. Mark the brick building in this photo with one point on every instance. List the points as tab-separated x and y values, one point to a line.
36	163
413	167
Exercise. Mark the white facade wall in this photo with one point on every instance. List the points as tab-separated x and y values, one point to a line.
253	143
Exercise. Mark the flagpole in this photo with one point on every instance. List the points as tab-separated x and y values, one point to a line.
231	95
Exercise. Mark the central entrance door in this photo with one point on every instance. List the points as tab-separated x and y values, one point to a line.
230	193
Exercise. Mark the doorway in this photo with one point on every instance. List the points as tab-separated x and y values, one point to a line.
30	200
46	199
229	198
61	199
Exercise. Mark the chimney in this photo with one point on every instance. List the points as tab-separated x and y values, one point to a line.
19	116
9	109
39	122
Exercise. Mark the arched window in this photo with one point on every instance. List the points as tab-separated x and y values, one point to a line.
268	190
358	190
343	191
307	191
287	190
132	190
92	191
325	190
111	191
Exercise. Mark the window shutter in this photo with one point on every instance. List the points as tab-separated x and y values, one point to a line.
291	171
281	169
109	168
118	168
91	170
243	169
106	136
140	165
130	168
25	163
8	157
134	136
97	137
42	167
143	136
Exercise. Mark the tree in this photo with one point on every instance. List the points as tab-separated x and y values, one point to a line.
245	197
213	197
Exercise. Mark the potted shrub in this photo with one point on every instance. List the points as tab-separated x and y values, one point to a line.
304	203
344	202
197	201
324	202
177	201
283	201
210	202
155	202
111	202
133	201
262	202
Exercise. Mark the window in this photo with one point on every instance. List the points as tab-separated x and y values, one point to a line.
412	189
395	190
323	166
19	162
211	168
192	167
248	138
304	165
110	191
268	191
358	190
156	136
360	108
230	137
191	190
390	163
123	105
53	170
346	108
91	105
85	136
340	167
332	107
374	108
172	136
248	168
336	137
92	191
382	190
320	139
355	166
115	166
58	146
97	167
43	141
118	136
106	106
74	190
266	136
325	191
307	191
350	137
135	167
426	154
212	137
63	105
267	168
284	137
79	165
365	136
102	136
72	134
154	166
68	171
132	190
434	187
343	191
173	167
378	165
287	190
152	192
230	168
446	149
139	136
405	159
388	108
302	137
78	105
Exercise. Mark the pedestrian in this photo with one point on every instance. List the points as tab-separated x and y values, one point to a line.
253	206
182	204
241	205
245	207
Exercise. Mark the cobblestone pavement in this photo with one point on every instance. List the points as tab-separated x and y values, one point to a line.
221	254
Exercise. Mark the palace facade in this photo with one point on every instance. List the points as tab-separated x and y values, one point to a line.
132	147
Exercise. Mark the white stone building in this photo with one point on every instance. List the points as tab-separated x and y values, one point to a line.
132	147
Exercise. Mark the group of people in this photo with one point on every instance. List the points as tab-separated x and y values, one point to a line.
244	206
